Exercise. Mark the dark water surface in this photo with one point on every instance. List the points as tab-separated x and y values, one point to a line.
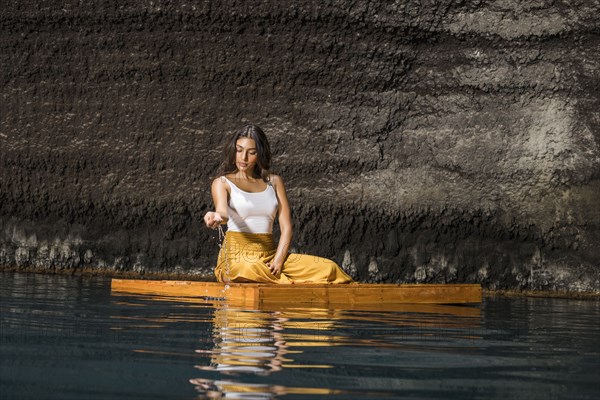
70	338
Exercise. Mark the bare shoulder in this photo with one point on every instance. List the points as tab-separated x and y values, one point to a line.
219	183
275	180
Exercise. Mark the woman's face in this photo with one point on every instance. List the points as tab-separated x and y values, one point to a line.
246	154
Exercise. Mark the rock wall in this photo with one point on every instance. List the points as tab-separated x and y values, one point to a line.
420	141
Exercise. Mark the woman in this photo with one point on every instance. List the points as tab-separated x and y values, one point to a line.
248	198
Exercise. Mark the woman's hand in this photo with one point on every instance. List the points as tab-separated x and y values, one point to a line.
275	267
213	219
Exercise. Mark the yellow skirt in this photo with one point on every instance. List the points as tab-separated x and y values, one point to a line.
244	257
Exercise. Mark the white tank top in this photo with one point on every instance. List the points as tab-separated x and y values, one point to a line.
251	212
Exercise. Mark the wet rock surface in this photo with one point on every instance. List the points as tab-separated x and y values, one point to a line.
420	141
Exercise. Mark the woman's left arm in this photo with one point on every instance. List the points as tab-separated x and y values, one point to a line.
285	225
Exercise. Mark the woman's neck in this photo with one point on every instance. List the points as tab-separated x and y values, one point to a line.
244	176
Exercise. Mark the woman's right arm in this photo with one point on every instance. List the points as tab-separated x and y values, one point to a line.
219	194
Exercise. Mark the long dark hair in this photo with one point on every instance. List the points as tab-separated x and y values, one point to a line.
263	152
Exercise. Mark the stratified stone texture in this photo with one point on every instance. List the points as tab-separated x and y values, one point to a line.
420	141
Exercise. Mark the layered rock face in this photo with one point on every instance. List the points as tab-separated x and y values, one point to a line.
420	141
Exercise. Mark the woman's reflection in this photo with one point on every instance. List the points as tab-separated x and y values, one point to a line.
250	341
247	341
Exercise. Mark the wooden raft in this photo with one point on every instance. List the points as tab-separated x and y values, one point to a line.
347	295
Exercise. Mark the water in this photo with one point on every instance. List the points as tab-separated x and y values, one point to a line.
70	338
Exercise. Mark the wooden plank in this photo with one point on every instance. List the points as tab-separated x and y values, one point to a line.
350	295
378	294
244	294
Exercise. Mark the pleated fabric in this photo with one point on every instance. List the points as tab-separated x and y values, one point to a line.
244	257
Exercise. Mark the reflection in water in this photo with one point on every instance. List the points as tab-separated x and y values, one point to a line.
251	341
261	343
247	341
231	389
